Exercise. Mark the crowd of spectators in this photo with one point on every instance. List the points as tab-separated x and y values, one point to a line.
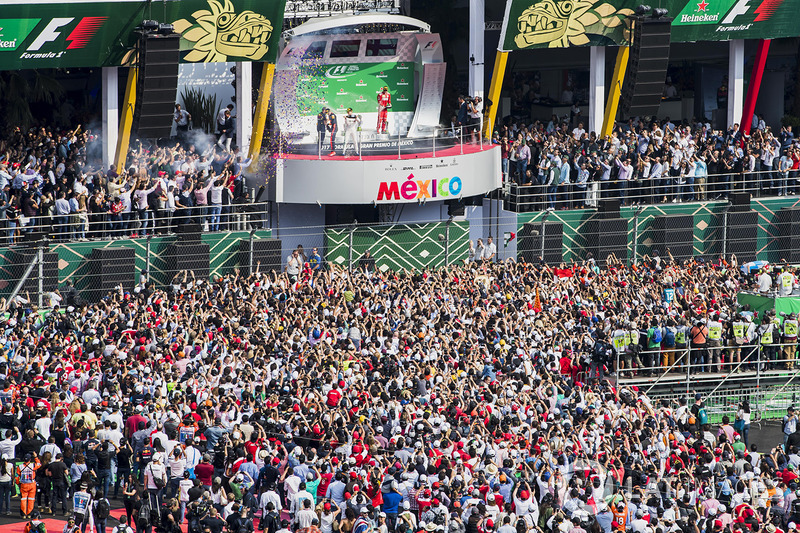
646	162
467	399
53	182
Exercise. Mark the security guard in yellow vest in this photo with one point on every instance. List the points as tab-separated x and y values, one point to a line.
766	335
739	338
715	341
633	347
790	326
618	341
786	283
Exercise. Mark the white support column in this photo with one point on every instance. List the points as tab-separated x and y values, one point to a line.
477	30
244	105
110	114
735	80
597	87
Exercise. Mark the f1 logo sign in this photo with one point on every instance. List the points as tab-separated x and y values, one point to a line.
78	38
49	33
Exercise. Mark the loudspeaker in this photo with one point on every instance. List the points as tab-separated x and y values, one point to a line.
675	232
608	208
607	236
110	267
742	234
455	208
157	85
789	241
523	198
33	237
188	256
647	67
529	242
740	201
189	232
20	258
267	251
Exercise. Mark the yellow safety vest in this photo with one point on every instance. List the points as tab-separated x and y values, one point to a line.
714	331
790	328
738	330
680	336
619	341
766	337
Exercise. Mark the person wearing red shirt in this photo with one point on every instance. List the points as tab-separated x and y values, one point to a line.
205	471
132	423
789	475
334	395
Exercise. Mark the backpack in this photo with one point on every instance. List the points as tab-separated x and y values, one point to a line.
669	338
656	339
30	527
102	509
702	415
143	519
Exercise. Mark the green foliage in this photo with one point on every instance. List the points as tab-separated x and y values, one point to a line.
19	90
791	120
202	107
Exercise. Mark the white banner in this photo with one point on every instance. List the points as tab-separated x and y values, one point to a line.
308	181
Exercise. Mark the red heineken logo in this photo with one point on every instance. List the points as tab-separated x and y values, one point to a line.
702	5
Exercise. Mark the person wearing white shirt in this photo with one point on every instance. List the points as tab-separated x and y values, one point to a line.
51	447
490	251
764	282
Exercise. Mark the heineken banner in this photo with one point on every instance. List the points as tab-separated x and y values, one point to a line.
52	34
720	20
354	85
561	23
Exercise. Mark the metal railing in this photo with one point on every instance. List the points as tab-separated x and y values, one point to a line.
103	225
536	196
737	364
446	137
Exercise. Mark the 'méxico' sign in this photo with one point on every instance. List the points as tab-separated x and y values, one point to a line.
413	189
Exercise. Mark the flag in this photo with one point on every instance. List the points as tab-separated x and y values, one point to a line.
537	302
508	237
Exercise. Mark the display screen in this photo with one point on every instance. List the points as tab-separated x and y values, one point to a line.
354	85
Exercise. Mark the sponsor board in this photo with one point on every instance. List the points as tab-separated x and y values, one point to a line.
557	24
354	85
52	34
308	181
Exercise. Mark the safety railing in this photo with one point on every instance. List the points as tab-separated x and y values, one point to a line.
725	370
449	140
131	223
536	194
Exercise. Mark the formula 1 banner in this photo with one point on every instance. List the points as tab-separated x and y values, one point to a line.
532	24
54	34
354	85
720	20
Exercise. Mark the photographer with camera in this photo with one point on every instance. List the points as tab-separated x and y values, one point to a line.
474	121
